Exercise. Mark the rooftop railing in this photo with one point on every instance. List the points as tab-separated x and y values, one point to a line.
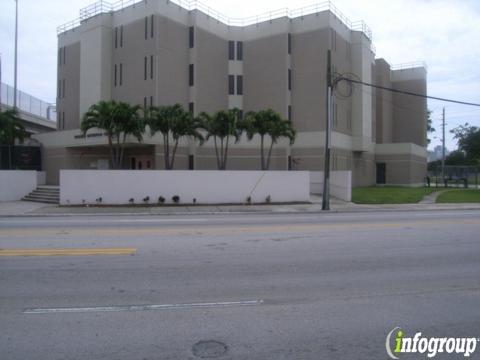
409	65
27	103
103	7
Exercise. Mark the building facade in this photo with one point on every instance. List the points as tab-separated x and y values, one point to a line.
156	52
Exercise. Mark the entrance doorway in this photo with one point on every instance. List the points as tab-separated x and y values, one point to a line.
381	173
141	162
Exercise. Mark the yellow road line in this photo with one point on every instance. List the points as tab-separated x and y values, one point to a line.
67	252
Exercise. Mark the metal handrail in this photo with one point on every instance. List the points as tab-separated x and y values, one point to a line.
105	7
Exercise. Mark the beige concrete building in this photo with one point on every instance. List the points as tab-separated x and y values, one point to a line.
156	52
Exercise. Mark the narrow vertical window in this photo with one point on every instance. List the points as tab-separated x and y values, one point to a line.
335	112
64	55
190	75
231	85
121	36
63	121
191	108
59	88
231	50
145	102
115	76
116	37
239	85
289	79
334	40
121	74
145	61
151	66
240	50
289	43
290	113
152	26
191	37
63	88
146	27
151	100
60	57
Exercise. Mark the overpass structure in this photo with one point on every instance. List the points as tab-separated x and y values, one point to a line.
37	115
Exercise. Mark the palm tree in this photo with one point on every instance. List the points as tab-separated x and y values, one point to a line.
222	125
267	122
118	120
11	129
173	122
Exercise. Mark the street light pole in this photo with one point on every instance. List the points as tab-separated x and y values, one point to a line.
16	57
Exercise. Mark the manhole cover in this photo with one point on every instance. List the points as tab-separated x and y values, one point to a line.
209	349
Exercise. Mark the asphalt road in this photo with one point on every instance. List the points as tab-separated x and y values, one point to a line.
327	286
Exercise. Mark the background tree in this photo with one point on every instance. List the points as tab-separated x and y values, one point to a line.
11	128
468	138
222	126
430	128
267	122
173	122
118	120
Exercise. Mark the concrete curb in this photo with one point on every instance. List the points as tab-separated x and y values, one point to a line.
264	212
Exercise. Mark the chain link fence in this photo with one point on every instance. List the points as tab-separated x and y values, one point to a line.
455	176
27	103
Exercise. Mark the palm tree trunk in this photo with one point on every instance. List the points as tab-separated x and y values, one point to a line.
112	152
226	154
222	165
269	155
262	157
166	152
10	157
173	154
117	152
216	152
122	149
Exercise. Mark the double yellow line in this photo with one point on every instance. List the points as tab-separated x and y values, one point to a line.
67	252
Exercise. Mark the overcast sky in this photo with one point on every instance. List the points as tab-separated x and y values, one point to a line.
443	33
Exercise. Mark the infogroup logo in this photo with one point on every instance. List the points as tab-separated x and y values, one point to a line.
429	346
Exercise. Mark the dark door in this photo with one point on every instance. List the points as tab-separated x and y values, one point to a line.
381	173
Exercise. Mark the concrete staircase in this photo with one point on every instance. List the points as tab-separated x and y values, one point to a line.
44	194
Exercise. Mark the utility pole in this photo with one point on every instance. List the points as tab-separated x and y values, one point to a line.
326	172
443	145
16	57
0	80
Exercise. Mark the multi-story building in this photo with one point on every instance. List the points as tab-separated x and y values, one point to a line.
157	52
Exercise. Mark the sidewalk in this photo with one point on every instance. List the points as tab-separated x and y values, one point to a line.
24	208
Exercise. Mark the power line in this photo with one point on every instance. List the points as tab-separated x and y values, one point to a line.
393	104
406	92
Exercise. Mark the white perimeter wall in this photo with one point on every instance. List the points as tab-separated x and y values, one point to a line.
207	187
340	184
15	184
